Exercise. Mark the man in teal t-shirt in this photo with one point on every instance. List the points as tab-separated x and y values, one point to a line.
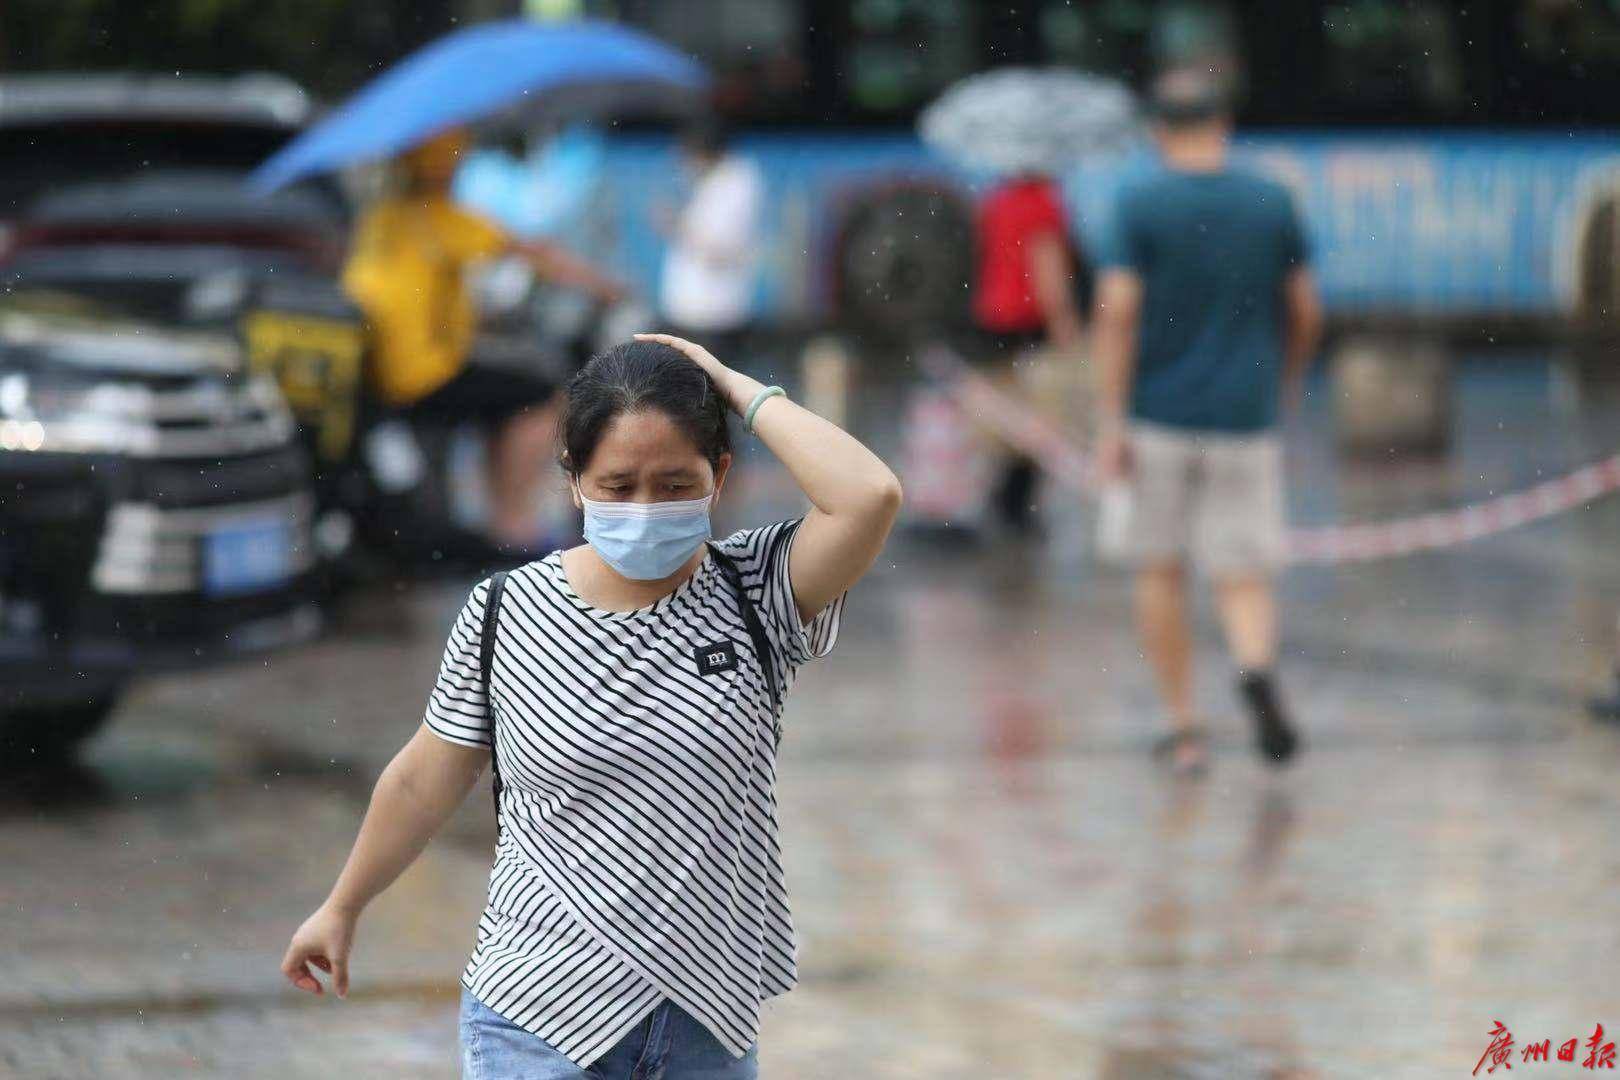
1206	319
1213	251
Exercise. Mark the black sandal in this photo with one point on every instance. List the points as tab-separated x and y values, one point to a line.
1167	748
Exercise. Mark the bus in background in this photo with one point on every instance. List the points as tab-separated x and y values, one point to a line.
1458	166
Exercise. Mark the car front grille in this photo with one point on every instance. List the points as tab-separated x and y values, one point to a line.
204	418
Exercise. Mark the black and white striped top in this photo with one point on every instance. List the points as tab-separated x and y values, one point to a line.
638	857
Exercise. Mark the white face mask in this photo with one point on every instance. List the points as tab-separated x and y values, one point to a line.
646	541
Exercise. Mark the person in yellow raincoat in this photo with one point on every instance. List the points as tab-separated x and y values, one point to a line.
407	271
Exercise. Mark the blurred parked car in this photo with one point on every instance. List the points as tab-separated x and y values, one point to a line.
155	510
128	191
156	498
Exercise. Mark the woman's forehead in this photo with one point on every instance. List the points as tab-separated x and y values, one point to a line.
645	440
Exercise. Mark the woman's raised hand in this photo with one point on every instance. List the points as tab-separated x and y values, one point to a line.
854	496
738	389
700	356
323	941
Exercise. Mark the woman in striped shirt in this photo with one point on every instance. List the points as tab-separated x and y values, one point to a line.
629	692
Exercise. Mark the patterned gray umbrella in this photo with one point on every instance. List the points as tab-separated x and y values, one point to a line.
1030	119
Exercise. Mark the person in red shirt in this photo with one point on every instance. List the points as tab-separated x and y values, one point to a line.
1024	296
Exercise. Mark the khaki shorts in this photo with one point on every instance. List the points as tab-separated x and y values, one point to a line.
1213	497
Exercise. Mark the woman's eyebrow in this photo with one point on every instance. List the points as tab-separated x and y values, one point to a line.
679	472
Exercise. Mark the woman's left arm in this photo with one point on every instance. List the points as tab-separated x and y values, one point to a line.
854	496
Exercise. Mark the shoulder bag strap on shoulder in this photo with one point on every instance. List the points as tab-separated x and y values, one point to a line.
486	662
756	629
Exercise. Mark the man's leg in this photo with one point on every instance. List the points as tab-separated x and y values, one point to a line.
1607	706
1154	537
1240	535
1248	613
1249	617
1161	624
1015	494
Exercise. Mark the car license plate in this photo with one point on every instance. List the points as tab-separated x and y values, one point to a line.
247	556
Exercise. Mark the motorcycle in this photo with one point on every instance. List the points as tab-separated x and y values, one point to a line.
396	497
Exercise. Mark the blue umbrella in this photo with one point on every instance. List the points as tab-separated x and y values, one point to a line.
476	73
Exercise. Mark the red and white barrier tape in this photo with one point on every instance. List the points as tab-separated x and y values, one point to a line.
1026	430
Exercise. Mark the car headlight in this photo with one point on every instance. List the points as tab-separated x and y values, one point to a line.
22	435
19	430
51	414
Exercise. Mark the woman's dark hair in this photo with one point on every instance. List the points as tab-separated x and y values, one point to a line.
640	376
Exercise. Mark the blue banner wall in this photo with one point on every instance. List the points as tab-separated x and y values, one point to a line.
1402	223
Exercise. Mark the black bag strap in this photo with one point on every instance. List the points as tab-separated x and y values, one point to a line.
486	661
756	631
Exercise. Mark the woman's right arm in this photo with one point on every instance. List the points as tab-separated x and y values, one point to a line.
415	795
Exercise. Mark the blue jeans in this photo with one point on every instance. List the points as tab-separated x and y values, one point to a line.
667	1045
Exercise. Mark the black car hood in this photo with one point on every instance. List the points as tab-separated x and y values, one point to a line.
182	198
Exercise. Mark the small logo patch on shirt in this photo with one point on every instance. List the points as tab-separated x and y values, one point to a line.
713	659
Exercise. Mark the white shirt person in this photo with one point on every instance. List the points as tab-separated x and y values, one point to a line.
710	267
636	911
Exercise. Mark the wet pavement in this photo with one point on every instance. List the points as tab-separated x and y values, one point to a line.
990	877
